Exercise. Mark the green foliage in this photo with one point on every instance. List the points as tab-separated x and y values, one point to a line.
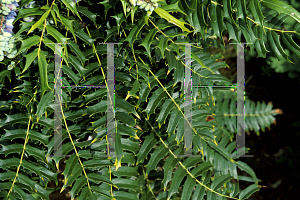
283	66
149	77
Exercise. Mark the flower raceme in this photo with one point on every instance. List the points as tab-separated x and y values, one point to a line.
7	43
147	5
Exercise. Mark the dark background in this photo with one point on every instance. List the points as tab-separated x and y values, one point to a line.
276	151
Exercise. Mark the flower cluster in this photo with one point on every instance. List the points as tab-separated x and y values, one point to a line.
148	5
8	12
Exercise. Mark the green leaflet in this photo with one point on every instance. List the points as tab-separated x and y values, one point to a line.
8	175
220	181
174	120
248	191
256	11
248	34
155	99
67	23
129	145
126	172
259	44
121	103
276	47
93	96
164	14
79	183
203	167
228	11
29	12
77	65
119	150
75	115
29	59
84	37
120	76
99	107
85	11
97	178
148	40
195	57
43	71
173	63
5	73
241	7
166	108
77	51
215	13
96	162
72	6
156	156
100	191
243	166
174	7
40	22
201	19
290	44
125	130
196	17
124	195
45	101
29	42
17	148
134	32
171	163
71	74
135	88
188	187
56	34
199	192
219	149
119	19
126	183
163	43
180	174
125	118
148	144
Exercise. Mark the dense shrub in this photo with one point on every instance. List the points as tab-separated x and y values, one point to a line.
149	98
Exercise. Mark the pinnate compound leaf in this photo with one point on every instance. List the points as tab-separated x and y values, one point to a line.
282	7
